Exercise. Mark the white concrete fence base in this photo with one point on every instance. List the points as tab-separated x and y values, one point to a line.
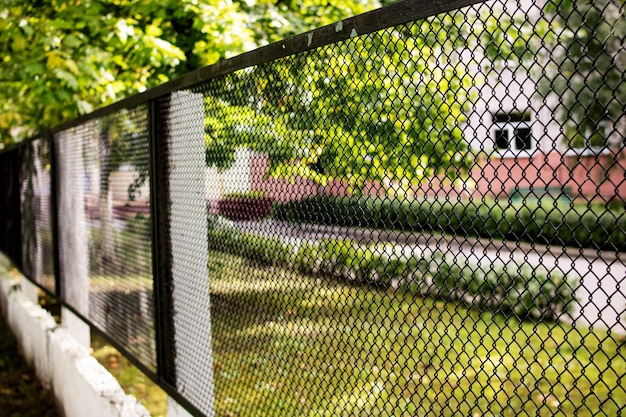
81	386
176	410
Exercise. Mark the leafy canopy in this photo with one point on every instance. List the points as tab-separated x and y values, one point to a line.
374	108
589	66
63	58
385	107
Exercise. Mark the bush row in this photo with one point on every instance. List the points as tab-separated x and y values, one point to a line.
553	223
514	288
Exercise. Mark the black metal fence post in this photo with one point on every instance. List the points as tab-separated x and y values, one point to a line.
161	251
54	189
10	213
161	261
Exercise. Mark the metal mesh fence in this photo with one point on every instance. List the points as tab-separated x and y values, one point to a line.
187	218
428	219
36	193
446	211
104	228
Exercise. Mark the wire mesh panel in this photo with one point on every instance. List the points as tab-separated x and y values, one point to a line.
428	219
190	356
104	222
425	220
35	190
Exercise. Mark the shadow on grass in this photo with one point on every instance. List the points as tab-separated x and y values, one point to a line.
289	344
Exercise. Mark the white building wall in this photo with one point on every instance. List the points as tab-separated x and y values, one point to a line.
235	179
510	86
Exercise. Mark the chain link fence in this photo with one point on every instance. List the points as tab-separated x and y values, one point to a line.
417	211
36	202
103	193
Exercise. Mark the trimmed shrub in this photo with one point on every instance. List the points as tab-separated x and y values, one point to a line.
546	223
522	290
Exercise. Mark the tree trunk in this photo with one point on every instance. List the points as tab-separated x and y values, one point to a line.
105	202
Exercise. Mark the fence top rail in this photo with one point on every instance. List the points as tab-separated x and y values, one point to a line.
389	16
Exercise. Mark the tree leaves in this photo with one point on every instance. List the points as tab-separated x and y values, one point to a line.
306	112
373	108
588	63
60	60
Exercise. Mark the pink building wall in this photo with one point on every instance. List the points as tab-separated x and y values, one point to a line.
279	189
586	177
603	176
283	190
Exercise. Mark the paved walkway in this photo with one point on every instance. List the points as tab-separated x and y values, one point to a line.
601	275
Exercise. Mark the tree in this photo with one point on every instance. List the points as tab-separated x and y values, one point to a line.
64	58
385	107
274	20
61	59
589	65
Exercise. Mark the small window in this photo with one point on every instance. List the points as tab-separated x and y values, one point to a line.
511	117
502	138
512	132
523	138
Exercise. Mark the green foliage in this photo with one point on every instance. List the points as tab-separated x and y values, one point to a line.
514	288
272	20
60	60
246	194
84	55
63	59
510	35
230	126
587	69
264	250
400	123
536	222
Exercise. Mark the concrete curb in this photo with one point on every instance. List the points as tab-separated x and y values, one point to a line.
81	386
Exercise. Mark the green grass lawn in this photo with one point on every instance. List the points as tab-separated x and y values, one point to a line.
131	379
291	345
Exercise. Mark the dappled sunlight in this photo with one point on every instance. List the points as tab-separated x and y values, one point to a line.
371	350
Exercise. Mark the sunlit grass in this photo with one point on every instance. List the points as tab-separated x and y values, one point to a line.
128	283
287	344
131	379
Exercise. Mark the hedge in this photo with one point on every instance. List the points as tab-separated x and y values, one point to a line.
513	288
546	223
